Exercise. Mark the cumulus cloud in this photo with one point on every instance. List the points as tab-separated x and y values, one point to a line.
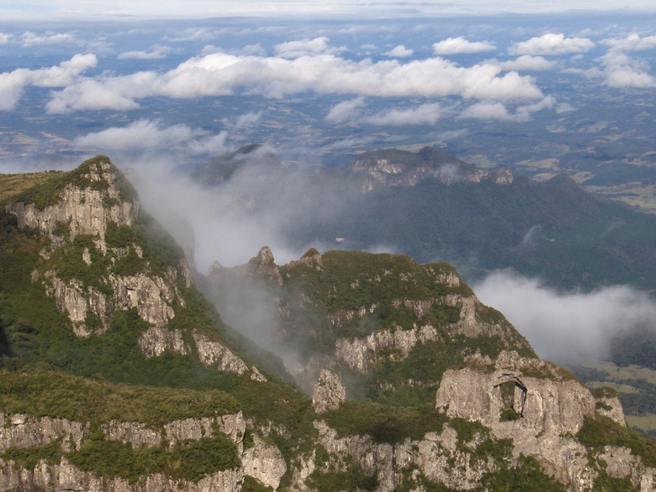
4	38
567	326
29	38
146	135
633	42
498	111
622	70
399	51
552	44
345	110
248	119
13	84
220	74
527	63
454	46
156	53
305	47
424	114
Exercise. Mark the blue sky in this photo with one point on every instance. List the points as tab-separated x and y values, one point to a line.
93	9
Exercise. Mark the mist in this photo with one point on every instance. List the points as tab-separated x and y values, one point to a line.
259	204
567	327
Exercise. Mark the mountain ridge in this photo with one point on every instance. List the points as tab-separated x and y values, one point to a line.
98	305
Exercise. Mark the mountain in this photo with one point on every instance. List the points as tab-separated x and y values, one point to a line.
119	374
431	205
400	168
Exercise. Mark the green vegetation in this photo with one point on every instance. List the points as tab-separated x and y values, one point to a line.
414	379
29	457
352	477
604	392
42	392
381	278
604	483
527	476
383	423
601	431
253	485
189	460
509	414
47	192
12	185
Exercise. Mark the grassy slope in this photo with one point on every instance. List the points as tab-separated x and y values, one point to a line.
33	333
12	185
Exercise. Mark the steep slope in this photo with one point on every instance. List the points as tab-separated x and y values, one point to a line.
118	375
396	348
400	168
91	286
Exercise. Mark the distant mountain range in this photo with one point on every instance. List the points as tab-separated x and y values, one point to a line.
433	206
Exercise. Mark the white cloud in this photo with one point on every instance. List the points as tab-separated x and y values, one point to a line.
248	119
621	70
29	38
553	44
566	325
563	108
146	135
624	71
453	46
305	47
528	63
487	111
498	111
633	42
221	74
400	51
425	114
13	84
156	53
4	38
345	110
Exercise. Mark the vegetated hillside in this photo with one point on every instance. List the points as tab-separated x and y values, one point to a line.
13	184
553	230
383	335
117	374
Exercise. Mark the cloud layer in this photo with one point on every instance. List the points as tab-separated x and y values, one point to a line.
553	44
13	84
567	327
220	74
454	46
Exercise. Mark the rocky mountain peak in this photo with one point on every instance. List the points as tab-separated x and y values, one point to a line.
402	168
264	264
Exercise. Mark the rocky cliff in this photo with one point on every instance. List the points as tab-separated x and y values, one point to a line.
117	374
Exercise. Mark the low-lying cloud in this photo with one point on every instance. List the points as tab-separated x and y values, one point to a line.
460	45
498	111
156	53
14	83
146	135
399	51
622	70
567	326
553	44
221	74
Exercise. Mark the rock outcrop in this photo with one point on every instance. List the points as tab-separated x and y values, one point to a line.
86	208
329	392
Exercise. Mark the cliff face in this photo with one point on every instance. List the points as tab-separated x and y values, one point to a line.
398	168
94	262
415	384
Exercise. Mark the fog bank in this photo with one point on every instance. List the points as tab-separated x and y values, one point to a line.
567	326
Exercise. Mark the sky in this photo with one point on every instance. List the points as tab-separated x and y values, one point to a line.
71	9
